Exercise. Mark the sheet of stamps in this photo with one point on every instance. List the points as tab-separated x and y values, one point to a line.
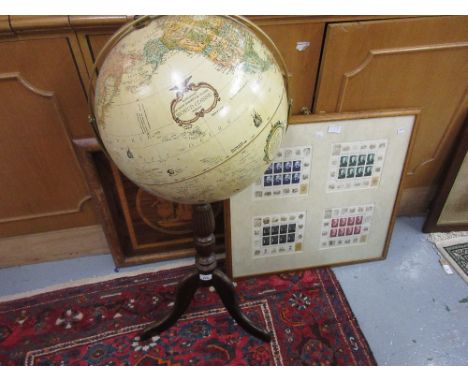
356	165
280	234
346	226
288	175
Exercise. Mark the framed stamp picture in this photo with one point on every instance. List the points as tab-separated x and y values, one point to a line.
329	196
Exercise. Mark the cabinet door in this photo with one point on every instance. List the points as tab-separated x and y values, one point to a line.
42	187
300	43
420	62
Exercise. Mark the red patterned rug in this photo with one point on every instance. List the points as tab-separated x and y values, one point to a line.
99	324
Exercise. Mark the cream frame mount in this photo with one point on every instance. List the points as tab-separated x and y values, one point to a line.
340	226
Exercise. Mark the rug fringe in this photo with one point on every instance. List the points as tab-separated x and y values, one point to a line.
440	242
437	237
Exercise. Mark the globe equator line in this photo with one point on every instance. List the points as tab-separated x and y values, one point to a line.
227	159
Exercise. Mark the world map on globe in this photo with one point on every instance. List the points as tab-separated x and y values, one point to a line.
191	108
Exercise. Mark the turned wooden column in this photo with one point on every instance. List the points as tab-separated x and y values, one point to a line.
204	239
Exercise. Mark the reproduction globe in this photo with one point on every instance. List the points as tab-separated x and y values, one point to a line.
191	108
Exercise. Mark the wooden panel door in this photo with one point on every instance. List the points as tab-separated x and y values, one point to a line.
420	62
300	43
42	187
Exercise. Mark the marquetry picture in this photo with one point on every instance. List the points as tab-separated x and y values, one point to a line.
139	227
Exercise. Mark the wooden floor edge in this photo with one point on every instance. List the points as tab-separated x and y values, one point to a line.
53	245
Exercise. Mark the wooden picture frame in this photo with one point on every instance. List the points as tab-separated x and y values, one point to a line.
449	209
372	200
126	214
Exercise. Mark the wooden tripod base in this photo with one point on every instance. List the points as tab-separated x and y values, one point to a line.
206	274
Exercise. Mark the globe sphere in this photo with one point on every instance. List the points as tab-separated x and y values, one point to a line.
191	108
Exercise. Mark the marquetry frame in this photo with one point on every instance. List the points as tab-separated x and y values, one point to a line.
115	216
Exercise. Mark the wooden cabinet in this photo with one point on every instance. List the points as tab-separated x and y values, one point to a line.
419	62
335	64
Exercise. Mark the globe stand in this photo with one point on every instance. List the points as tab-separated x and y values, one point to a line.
206	274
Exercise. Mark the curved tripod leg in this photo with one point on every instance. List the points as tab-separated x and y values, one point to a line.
226	291
184	295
